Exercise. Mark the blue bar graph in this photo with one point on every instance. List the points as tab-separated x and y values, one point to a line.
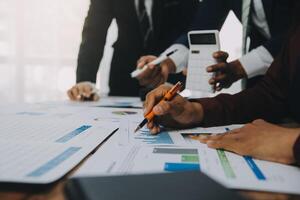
73	134
54	162
146	137
177	167
257	172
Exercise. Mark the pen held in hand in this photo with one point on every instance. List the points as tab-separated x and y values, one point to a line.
157	61
167	97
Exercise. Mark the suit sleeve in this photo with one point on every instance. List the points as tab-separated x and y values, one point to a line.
274	45
268	100
94	33
210	14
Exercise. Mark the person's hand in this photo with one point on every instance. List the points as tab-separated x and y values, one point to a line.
258	139
83	91
154	76
177	113
225	73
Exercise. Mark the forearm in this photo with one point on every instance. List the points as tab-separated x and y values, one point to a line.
242	108
94	32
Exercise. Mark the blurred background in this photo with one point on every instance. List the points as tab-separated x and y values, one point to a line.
39	43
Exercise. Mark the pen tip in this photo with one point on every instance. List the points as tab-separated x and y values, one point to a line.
137	128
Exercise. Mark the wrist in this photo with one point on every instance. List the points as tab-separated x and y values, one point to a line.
239	69
197	113
291	142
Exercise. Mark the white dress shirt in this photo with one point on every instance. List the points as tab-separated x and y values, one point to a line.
149	6
256	62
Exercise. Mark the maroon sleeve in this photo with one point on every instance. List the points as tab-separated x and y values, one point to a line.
297	150
268	100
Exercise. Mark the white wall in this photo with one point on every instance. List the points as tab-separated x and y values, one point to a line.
39	43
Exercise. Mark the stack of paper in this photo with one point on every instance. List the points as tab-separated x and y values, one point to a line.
174	150
40	143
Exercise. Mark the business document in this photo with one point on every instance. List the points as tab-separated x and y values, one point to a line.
127	136
229	169
41	143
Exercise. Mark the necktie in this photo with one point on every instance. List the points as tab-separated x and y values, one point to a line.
245	21
145	26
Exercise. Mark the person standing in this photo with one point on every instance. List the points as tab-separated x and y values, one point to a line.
144	27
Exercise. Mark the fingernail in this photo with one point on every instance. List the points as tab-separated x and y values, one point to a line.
209	69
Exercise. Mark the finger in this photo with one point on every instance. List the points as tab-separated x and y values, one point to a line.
154	97
218	88
145	74
234	131
155	130
220	78
144	60
141	62
151	66
85	89
220	67
156	71
227	142
259	122
176	105
153	127
158	78
70	95
173	107
149	76
75	92
220	56
202	138
150	124
164	72
162	108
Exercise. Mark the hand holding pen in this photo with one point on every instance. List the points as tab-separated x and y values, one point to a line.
178	112
153	71
167	97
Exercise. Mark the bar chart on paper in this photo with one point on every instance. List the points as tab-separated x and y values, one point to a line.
160	159
144	136
127	135
188	159
229	166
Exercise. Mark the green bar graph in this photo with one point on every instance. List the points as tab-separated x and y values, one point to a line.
226	165
190	158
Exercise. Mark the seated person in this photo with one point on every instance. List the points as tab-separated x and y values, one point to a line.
275	97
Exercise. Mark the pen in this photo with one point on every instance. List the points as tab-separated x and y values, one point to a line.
157	61
168	96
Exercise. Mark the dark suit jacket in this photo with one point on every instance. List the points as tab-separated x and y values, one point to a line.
275	97
170	19
212	14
